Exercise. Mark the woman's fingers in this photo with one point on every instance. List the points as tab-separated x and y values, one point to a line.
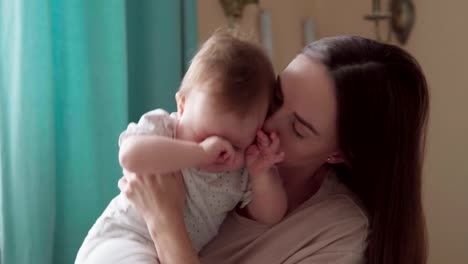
131	182
122	184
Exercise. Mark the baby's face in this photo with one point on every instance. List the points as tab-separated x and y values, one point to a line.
199	119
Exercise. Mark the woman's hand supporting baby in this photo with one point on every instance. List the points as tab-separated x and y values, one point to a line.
160	199
269	204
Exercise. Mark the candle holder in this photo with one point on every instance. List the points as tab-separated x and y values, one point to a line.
401	19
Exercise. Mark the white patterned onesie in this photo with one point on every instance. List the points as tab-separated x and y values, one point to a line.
209	197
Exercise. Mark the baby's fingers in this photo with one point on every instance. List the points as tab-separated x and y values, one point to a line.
252	150
263	140
251	154
268	161
275	143
278	158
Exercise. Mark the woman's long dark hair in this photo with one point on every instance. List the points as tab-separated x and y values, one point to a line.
383	106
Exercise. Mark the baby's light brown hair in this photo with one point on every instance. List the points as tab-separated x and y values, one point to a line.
234	70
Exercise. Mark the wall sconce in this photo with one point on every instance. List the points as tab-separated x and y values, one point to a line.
401	18
233	9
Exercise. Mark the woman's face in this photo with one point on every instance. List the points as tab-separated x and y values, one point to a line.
306	121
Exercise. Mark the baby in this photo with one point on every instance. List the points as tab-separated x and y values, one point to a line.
221	105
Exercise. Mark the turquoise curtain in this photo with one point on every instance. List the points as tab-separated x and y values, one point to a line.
73	73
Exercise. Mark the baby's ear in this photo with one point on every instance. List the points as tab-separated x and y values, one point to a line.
180	99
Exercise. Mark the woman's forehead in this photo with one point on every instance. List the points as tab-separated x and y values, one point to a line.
307	70
309	91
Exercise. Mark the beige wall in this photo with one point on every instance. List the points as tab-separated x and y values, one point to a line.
440	42
287	21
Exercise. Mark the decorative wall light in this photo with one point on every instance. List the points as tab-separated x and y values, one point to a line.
266	32
401	19
403	16
309	29
233	9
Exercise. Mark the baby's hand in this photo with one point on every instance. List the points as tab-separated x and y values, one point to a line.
263	155
219	151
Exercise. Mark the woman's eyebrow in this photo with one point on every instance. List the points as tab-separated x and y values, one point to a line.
306	124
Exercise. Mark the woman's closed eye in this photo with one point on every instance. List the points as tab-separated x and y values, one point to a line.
299	130
303	128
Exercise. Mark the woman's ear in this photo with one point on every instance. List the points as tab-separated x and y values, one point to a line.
336	157
180	99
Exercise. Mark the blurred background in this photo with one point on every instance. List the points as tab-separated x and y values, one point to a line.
74	73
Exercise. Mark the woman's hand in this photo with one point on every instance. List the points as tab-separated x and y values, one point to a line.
158	198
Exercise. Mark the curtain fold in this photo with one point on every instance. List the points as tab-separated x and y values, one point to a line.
72	75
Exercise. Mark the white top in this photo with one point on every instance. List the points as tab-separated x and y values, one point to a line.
209	196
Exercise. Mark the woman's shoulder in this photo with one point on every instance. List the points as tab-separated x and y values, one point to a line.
335	217
334	203
335	198
331	227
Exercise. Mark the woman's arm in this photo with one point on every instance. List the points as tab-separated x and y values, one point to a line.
171	240
160	200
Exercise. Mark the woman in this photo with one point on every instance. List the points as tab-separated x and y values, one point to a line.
351	116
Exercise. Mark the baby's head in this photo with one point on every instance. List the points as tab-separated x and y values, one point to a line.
225	92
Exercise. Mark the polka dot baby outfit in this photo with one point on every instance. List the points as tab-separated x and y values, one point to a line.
209	196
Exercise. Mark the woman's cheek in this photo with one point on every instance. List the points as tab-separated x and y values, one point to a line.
285	143
289	147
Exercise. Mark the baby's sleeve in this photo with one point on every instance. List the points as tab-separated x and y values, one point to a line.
156	122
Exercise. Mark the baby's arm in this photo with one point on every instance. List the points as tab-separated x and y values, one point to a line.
158	154
148	147
269	204
150	154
